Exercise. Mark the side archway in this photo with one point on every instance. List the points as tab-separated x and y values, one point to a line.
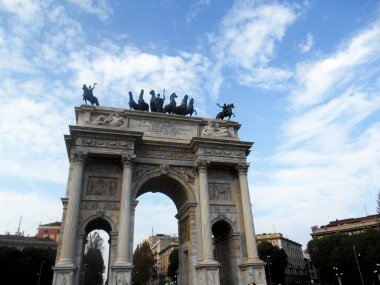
224	251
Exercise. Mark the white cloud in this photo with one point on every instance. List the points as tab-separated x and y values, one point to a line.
99	8
247	42
329	157
306	46
195	8
318	80
26	10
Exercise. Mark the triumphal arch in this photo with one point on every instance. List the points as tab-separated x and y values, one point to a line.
116	155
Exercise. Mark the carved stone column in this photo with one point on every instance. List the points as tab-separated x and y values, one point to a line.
249	229
208	268
64	271
66	258
122	269
204	200
125	213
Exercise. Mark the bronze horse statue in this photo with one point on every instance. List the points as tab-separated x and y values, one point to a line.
190	108
132	104
169	108
181	109
226	112
142	104
88	95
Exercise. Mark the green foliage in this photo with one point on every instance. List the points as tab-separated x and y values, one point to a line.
337	251
23	266
93	260
173	265
278	261
143	263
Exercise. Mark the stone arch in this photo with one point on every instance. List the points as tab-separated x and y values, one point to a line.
166	184
102	221
231	223
224	245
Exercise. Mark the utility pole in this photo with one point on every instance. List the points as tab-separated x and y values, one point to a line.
270	276
39	275
338	275
357	263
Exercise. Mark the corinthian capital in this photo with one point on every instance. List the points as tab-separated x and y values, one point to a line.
127	160
77	156
242	168
202	166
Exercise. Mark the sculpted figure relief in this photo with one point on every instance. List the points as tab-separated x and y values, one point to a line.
214	129
113	120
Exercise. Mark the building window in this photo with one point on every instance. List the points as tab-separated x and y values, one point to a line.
46	232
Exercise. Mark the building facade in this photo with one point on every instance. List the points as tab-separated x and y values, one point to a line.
295	272
50	231
347	226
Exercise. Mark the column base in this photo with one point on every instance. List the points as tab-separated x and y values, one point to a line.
64	274
252	271
121	274
208	272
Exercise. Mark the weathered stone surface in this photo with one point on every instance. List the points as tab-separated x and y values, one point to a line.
116	155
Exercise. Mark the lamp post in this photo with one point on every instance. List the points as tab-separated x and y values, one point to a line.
311	277
338	275
377	271
39	275
270	276
357	263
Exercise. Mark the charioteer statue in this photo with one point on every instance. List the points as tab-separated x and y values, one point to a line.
226	111
88	95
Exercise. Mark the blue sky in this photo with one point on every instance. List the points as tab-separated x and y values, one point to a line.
303	76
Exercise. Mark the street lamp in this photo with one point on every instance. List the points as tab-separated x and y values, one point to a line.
377	271
270	277
338	275
39	275
311	277
357	263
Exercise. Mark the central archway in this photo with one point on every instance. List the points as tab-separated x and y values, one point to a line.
183	198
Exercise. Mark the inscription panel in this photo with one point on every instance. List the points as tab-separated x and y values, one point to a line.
164	128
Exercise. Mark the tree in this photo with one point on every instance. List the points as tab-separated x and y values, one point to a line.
337	251
278	260
23	266
93	260
173	265
143	263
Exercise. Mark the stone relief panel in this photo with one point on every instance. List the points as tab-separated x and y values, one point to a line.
223	152
214	129
139	170
220	191
104	142
101	186
185	230
164	153
186	173
115	119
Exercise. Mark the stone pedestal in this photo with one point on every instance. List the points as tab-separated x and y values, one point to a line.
208	273
63	275
121	274
252	272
